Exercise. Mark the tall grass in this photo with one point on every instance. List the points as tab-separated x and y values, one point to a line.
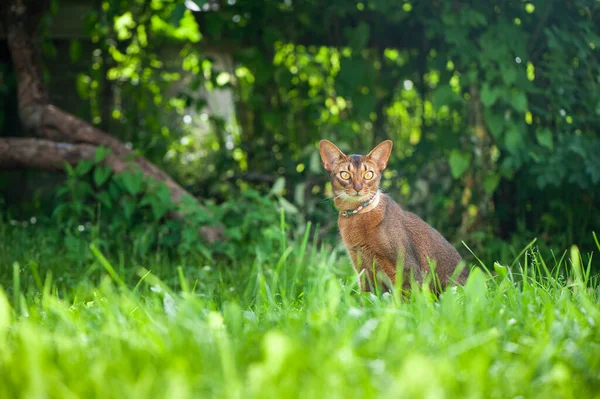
284	325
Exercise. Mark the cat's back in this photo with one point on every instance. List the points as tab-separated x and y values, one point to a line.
430	245
415	233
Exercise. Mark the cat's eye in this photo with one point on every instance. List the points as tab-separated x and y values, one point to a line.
345	175
369	175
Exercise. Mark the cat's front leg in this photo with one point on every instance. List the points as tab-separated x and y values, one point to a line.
386	273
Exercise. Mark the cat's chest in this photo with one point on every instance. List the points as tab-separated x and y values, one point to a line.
360	230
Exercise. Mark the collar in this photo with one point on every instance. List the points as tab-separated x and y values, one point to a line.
374	199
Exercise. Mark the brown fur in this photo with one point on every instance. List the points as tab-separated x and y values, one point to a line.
385	236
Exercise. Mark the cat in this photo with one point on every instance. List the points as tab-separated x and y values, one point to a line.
377	232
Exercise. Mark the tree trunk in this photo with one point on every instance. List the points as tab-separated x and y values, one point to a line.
66	138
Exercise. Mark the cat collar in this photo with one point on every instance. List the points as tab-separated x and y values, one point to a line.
360	208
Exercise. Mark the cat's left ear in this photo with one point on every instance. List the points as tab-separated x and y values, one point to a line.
380	154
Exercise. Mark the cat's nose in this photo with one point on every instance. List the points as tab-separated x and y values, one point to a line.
357	186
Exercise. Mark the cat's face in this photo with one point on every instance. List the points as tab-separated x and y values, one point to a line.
354	178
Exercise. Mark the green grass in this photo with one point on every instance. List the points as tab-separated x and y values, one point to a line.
285	325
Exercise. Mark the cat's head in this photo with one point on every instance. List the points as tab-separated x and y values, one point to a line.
354	178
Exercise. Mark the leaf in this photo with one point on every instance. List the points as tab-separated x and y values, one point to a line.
476	287
359	36
129	206
459	163
82	84
123	25
159	208
490	182
101	154
69	169
502	271
509	73
443	95
83	167
473	18
82	188
315	165
160	201
114	190
199	3
133	182
60	210
61	192
299	193
75	50
495	122
287	206
489	95
177	14
519	101
544	138
101	175
513	140
278	186
105	199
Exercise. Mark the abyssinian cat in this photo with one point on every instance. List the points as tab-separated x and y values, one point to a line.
377	232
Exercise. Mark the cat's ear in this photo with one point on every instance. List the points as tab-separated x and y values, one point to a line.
330	154
380	154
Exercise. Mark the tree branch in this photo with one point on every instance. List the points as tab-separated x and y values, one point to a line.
49	155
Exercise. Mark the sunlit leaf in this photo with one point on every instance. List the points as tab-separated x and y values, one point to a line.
459	163
299	191
287	206
278	186
490	182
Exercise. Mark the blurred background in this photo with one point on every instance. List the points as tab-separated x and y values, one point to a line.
493	107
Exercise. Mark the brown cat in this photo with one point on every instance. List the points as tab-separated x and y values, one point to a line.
378	234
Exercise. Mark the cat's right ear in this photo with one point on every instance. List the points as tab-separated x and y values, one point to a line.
330	154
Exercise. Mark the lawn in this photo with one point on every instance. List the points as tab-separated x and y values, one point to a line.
285	325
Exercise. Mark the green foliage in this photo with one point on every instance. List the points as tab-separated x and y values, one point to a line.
294	326
130	209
